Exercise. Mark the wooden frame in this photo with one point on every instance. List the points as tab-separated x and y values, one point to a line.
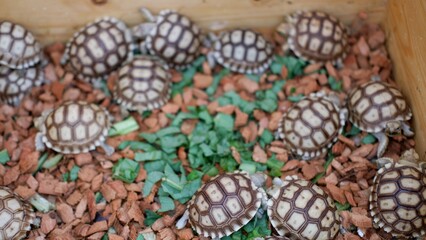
403	20
407	45
57	20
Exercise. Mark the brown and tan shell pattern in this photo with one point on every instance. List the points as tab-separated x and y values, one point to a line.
144	84
224	205
311	126
317	37
75	127
175	39
302	210
16	216
18	47
14	84
99	48
398	200
372	104
243	51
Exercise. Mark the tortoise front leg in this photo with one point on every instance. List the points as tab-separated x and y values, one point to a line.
211	60
383	143
141	31
181	223
107	148
406	129
148	14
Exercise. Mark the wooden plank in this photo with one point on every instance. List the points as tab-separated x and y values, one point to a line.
407	44
56	20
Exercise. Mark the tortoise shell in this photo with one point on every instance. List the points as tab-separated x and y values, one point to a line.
317	37
175	39
243	51
224	205
75	127
16	215
398	200
14	84
144	84
311	126
18	47
99	48
372	104
302	210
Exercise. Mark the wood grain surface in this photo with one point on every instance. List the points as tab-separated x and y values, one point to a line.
406	30
57	20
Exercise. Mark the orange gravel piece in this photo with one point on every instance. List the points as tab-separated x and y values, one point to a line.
259	155
65	212
185	234
337	193
292	164
48	223
24	191
202	80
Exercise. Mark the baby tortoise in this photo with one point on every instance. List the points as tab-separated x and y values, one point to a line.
74	127
98	49
144	83
312	125
315	36
379	108
16	216
18	47
299	209
15	83
398	197
225	204
172	37
241	50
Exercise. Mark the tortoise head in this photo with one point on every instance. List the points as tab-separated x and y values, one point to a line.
38	122
393	128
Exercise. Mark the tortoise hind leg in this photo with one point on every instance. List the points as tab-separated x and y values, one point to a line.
383	143
107	148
